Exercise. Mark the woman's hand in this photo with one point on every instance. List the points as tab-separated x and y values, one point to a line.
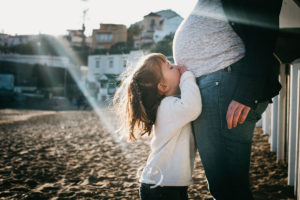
236	113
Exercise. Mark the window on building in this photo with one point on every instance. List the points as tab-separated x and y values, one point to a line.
103	84
97	63
152	24
111	62
104	37
124	63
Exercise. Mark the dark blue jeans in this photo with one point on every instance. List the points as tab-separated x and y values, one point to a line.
225	153
163	193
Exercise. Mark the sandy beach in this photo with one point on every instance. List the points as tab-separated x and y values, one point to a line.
77	155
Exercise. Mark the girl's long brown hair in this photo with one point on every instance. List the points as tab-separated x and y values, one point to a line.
137	99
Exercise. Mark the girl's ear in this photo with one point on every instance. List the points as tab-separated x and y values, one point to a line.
162	88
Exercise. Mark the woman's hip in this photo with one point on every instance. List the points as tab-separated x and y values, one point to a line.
217	91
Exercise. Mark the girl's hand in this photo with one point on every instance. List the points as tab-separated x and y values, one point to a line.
182	69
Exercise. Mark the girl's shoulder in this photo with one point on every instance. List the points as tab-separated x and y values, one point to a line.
168	101
165	109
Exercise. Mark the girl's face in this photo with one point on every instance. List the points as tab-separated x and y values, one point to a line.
171	80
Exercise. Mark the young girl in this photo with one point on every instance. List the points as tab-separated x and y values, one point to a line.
162	99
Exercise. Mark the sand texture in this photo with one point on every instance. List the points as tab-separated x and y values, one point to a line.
76	155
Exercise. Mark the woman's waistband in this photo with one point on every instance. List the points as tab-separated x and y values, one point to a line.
233	68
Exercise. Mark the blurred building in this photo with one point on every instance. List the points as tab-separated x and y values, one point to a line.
155	26
75	37
50	61
14	40
3	39
150	23
34	72
104	72
169	21
108	35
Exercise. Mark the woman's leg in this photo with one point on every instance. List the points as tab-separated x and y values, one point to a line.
208	135
225	153
237	141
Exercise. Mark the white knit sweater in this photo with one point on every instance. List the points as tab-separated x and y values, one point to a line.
173	150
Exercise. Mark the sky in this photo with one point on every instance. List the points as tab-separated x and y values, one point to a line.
55	17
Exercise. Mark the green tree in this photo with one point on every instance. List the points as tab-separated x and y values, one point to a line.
164	46
133	30
120	47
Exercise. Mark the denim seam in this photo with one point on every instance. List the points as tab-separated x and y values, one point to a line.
219	102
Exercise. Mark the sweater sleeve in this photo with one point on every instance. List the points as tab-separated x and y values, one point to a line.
189	106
